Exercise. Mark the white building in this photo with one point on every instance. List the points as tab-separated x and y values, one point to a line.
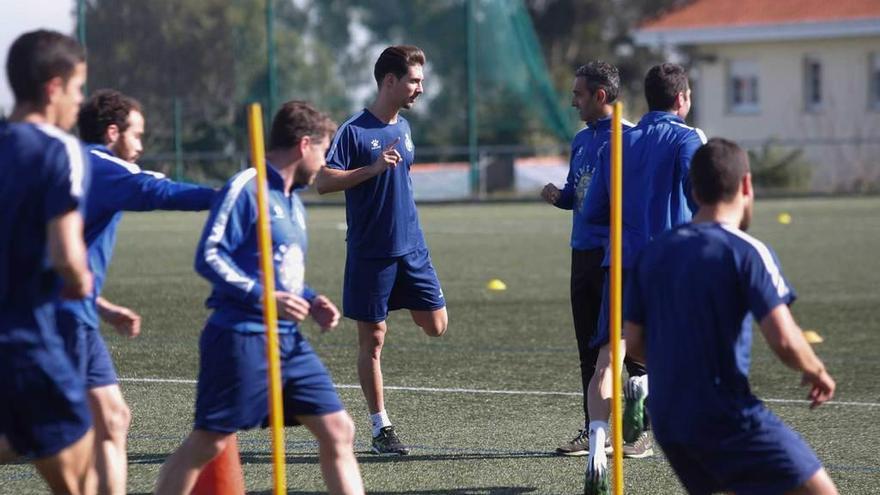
805	73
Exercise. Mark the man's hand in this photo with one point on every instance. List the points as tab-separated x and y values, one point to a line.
389	158
551	194
291	307
325	313
821	387
125	321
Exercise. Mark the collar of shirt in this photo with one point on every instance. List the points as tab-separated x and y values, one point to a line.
602	124
275	180
99	147
656	117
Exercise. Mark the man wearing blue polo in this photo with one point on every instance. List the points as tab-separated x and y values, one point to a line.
44	415
232	391
113	124
656	197
596	86
387	265
692	296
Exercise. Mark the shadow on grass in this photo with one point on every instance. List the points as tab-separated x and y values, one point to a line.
491	490
363	457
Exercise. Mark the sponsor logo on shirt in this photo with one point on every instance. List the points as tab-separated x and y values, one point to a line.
374	144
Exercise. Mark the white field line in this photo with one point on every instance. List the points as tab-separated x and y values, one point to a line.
496	392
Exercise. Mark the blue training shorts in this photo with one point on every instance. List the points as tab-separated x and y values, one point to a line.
233	387
767	459
601	337
375	286
43	404
86	348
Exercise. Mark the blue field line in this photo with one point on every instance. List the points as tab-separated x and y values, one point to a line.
498	392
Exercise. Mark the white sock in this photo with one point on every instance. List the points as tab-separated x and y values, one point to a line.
598	434
379	420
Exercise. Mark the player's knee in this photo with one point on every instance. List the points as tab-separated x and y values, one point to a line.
373	342
115	421
120	420
339	437
212	445
434	324
435	328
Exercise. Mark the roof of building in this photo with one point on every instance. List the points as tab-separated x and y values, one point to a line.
730	21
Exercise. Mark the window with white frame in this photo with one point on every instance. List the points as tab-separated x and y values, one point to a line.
813	83
874	82
742	83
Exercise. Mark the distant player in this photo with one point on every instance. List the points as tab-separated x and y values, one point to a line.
232	391
44	415
596	86
656	197
387	266
691	299
112	124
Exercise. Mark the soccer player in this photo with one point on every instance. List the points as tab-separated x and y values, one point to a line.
689	306
387	266
44	415
596	87
232	392
656	197
113	124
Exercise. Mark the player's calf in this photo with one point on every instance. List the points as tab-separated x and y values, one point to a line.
112	421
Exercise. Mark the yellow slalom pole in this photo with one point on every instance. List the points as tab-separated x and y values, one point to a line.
616	295
270	312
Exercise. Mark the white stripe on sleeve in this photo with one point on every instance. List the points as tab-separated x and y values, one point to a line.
767	258
339	131
228	272
74	156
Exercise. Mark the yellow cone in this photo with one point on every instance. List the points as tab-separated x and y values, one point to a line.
496	284
813	337
784	218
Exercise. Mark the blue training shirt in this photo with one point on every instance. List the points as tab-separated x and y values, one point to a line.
380	212
657	157
117	186
582	166
228	254
43	175
693	291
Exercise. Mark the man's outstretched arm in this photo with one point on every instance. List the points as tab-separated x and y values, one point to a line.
787	340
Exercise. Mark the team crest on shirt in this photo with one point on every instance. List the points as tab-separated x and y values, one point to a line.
583	183
374	144
292	269
579	152
277	211
408	143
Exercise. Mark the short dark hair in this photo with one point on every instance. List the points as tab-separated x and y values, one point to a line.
37	57
601	75
397	60
663	83
296	120
717	169
104	108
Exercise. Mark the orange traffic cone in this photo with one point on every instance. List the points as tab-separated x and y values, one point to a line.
223	475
